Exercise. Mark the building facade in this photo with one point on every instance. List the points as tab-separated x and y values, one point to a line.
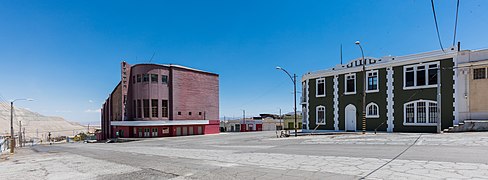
401	93
155	100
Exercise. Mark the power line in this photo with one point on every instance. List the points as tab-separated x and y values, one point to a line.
455	24
436	26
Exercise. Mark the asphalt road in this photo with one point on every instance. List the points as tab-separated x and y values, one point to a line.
260	155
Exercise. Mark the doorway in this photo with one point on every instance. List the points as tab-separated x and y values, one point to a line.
350	117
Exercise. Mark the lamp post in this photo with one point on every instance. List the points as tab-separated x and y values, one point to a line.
364	86
294	80
12	138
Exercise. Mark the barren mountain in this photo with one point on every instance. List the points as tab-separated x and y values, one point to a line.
35	124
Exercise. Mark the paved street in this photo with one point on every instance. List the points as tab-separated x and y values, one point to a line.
260	155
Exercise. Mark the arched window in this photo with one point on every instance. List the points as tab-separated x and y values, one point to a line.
320	115
372	110
420	112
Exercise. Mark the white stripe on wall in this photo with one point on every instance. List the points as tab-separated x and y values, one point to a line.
389	99
336	103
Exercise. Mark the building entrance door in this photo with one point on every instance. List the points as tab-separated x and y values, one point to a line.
350	117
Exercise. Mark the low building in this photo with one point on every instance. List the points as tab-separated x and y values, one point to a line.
156	100
239	125
401	92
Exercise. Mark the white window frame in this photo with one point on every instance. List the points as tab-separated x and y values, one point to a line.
426	65
317	115
377	110
427	113
317	88
345	83
377	82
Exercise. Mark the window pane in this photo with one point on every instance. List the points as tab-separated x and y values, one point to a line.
421	112
373	83
421	76
321	87
154	78
138	78
409	79
479	73
164	112
409	113
432	112
154	109
139	108
145	78
432	76
145	103
321	115
164	79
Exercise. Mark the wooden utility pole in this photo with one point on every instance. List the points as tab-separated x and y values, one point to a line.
20	133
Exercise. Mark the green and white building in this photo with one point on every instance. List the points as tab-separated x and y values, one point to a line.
401	92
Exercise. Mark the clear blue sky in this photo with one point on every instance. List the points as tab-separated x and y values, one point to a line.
66	54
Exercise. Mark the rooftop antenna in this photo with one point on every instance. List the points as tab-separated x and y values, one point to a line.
152	57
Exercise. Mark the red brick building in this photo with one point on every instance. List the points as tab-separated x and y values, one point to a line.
155	100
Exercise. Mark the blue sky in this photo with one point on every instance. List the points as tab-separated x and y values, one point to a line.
66	54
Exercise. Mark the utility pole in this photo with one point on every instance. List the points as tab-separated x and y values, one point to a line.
281	121
20	133
439	98
295	98
88	128
12	137
244	119
23	134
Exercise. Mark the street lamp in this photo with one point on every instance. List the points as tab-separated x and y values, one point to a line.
12	138
364	86
294	80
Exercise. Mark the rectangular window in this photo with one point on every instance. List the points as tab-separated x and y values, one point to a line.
154	78
432	74
372	81
164	79
146	132
154	109
164	105
320	87
138	78
199	113
420	75
139	109
409	77
479	73
179	112
145	78
145	105
189	113
134	109
320	115
410	113
350	84
155	132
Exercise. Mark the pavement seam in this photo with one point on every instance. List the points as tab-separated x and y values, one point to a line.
364	177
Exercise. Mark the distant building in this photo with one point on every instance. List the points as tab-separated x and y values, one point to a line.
155	100
240	125
401	92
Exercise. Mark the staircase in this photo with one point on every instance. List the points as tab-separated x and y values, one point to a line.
469	126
